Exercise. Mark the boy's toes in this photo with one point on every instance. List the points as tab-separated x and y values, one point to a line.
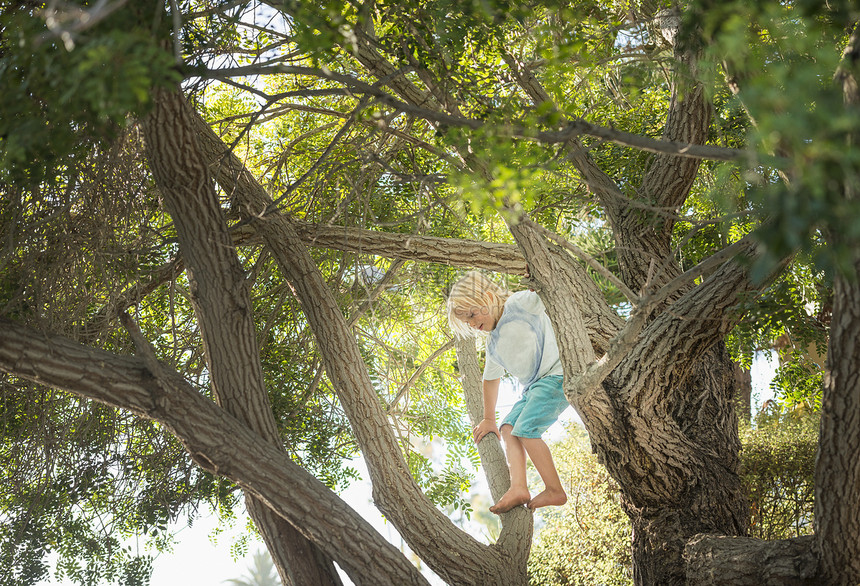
510	500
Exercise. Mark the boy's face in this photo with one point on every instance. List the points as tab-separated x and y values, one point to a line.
479	317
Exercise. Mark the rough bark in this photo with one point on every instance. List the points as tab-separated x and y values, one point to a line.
517	537
837	467
714	560
677	455
683	478
260	468
223	309
674	455
601	322
455	556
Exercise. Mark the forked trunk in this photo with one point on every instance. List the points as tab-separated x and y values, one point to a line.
710	498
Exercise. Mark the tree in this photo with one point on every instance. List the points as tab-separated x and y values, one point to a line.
586	541
437	115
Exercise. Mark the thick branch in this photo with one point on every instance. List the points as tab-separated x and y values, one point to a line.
557	285
395	491
687	328
259	467
601	321
491	256
716	560
223	309
670	177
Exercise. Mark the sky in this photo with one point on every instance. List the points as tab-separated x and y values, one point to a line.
200	558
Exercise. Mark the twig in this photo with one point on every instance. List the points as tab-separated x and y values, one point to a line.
573	129
418	372
334	141
697	271
216	9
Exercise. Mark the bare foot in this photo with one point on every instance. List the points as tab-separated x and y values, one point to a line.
513	498
549	498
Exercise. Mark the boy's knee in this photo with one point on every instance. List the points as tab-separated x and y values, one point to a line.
506	430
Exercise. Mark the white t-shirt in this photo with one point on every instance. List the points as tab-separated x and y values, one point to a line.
523	342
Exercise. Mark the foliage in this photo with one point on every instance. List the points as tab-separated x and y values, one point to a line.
792	314
80	479
777	469
67	85
587	540
82	225
783	56
798	383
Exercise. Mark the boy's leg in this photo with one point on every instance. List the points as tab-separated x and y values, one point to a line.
518	494
545	403
553	493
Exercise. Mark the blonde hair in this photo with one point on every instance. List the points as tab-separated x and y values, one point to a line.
473	290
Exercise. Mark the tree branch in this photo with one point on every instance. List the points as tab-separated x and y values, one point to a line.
394	490
743	561
222	306
256	465
572	130
585	257
517	524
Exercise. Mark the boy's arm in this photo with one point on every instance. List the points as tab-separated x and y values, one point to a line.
488	423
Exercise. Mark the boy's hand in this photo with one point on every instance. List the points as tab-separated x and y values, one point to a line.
483	428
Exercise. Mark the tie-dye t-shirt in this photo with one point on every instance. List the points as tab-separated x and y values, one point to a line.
522	343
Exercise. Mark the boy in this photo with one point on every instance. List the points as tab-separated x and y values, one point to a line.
520	341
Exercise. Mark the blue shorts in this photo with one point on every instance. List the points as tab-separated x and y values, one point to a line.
539	407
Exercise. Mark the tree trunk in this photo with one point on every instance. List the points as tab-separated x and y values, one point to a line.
837	468
663	422
223	309
709	497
